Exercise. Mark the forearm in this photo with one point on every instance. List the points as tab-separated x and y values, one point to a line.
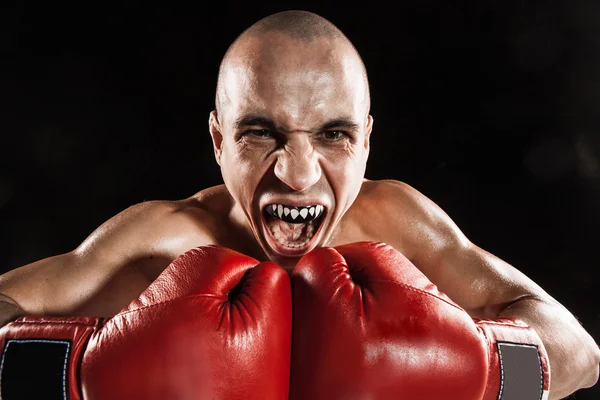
573	353
9	310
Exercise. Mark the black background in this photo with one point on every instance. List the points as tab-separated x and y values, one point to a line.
490	108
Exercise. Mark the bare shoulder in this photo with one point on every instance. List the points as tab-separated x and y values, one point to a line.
162	228
406	218
114	264
393	199
392	193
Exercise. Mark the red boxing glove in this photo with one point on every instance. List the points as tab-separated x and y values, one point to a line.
41	357
369	325
213	325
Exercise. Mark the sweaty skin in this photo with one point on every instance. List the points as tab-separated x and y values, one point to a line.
292	125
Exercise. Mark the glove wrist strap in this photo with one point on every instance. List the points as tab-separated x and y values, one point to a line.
41	356
518	362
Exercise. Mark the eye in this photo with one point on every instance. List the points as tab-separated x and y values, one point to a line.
334	135
260	133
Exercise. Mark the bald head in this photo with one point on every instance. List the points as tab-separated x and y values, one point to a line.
292	120
301	25
298	39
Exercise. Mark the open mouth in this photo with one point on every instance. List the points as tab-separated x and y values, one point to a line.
293	228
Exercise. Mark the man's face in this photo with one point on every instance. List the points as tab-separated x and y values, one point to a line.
292	141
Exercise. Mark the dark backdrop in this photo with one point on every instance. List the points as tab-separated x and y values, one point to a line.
490	108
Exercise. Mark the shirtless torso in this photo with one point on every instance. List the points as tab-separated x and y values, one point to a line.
123	256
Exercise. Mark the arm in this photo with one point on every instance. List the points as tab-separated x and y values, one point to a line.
9	310
99	277
573	354
487	287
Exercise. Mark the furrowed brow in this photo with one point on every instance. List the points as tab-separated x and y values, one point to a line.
253	120
259	120
344	123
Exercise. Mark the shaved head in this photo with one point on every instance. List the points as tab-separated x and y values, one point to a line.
301	25
291	122
276	38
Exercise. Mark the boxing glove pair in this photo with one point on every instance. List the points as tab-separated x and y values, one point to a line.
364	323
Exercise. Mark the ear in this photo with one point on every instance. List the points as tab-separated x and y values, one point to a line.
214	128
368	129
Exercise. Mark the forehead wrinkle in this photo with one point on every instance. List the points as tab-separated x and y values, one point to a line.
301	94
291	105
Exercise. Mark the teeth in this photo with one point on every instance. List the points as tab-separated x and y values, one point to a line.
300	214
294	213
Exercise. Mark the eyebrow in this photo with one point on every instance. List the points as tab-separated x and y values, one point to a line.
254	120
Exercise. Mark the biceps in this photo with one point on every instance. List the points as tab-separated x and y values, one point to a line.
29	285
54	285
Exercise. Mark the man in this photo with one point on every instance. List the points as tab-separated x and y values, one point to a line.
291	132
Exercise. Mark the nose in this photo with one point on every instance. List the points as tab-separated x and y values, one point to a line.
298	165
